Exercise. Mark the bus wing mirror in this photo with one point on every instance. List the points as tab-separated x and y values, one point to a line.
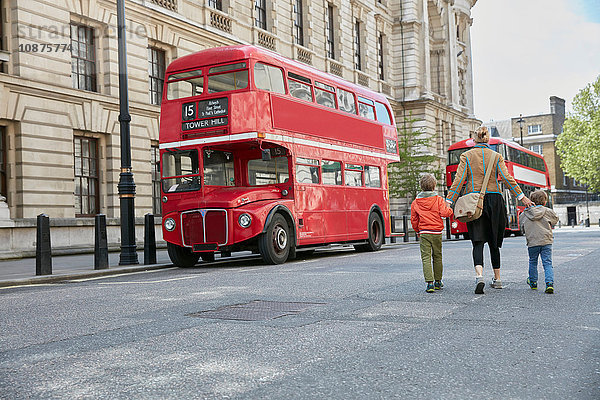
266	155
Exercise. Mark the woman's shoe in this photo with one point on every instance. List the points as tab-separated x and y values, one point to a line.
479	284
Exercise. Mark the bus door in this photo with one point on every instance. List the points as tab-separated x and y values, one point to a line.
309	195
511	210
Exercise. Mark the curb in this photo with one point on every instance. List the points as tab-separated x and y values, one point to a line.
80	275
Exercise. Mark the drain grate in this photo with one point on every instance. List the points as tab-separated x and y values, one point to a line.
257	310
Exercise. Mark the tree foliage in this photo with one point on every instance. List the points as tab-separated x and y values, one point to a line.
579	144
404	176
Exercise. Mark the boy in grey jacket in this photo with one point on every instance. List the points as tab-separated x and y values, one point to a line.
537	222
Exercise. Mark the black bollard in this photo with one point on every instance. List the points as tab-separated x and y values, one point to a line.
43	248
149	240
393	229
448	235
405	227
100	242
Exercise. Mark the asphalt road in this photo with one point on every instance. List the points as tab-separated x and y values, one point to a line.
335	325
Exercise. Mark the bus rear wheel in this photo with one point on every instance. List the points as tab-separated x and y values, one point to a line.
274	245
376	234
182	256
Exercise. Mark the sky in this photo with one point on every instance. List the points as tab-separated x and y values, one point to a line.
525	51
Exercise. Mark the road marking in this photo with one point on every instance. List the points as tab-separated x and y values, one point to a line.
147	282
118	273
28	284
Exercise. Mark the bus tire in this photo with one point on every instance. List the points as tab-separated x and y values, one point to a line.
274	245
182	256
207	257
376	233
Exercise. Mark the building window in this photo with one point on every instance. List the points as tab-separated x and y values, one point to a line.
218	4
537	148
156	72
83	58
298	23
3	184
86	176
155	161
381	71
357	53
260	9
3	64
329	32
534	129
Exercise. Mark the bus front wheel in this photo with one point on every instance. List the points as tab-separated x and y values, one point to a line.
274	245
182	256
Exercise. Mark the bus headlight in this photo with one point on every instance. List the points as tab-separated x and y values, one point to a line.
454	224
170	224
245	220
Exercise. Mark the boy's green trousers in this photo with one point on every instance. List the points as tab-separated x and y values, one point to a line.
431	246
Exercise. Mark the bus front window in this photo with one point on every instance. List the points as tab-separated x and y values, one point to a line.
185	84
180	171
218	168
271	172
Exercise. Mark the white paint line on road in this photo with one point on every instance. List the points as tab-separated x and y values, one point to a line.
147	282
117	273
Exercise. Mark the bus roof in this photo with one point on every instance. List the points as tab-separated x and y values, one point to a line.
493	140
224	54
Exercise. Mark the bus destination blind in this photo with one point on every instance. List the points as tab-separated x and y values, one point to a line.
204	114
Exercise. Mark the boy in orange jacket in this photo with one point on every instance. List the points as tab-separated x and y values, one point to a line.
426	214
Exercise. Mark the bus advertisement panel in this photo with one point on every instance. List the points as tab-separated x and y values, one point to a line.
527	167
262	153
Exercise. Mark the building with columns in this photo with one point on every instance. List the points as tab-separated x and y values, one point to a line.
59	107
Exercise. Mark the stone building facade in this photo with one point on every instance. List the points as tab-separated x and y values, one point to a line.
59	130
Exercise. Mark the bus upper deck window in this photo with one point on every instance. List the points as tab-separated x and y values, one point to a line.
227	77
383	114
300	87
346	101
365	108
185	84
268	77
325	94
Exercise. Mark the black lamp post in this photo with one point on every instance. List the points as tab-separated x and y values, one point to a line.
521	121
126	184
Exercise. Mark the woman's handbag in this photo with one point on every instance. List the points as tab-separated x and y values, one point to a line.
470	206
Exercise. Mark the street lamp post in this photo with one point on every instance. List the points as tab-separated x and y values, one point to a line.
126	184
521	121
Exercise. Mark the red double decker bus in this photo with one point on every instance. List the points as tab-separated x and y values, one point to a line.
262	153
527	167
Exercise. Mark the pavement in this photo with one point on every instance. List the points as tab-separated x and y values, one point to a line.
20	272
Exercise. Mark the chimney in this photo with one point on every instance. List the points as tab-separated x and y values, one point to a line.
557	105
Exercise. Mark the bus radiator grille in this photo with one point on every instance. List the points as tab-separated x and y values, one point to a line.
193	228
216	226
213	224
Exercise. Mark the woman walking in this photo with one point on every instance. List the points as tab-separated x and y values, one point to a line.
489	228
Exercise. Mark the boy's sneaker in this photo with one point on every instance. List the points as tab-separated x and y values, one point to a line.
532	284
430	287
479	284
550	287
496	283
439	285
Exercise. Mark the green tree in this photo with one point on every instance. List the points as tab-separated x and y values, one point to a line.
579	144
404	176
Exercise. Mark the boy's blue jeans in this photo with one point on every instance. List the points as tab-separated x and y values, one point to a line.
546	255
